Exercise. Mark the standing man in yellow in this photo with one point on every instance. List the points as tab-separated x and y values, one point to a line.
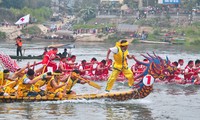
120	55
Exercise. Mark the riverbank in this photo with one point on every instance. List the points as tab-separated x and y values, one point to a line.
179	35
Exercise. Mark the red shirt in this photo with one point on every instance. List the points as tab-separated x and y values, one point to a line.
49	56
188	76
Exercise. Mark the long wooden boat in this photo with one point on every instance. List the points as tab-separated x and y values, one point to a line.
140	90
135	93
153	42
25	57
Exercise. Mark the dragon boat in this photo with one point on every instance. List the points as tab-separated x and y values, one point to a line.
155	68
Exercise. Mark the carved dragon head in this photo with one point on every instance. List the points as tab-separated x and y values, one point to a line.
156	67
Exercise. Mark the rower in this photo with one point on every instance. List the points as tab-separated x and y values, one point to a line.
180	65
196	70
71	64
54	85
3	79
62	64
84	68
188	73
48	59
71	80
25	87
44	79
93	65
99	72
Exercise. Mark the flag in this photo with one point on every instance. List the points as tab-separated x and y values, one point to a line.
23	20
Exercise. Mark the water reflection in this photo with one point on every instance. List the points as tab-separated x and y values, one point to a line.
127	112
164	97
191	90
176	89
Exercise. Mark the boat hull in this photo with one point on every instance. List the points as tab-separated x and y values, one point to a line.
25	57
137	93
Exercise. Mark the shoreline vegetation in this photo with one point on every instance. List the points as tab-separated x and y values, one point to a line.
190	33
159	29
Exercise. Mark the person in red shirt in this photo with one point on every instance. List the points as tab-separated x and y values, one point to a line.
196	70
175	76
188	73
99	72
108	67
71	63
92	65
62	64
48	59
180	65
84	68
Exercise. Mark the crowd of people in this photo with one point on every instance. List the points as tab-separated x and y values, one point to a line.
182	75
59	78
188	74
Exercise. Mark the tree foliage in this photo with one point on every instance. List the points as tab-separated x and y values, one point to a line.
19	4
40	14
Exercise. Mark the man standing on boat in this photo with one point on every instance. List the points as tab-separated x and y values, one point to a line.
120	55
48	59
19	45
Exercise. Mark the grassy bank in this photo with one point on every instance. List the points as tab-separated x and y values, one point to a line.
89	26
31	30
191	33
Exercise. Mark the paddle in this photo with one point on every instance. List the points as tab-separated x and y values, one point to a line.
9	84
62	45
91	83
52	46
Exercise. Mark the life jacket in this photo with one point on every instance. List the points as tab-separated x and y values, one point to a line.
19	43
120	61
188	76
69	67
196	71
2	80
63	64
106	70
91	72
23	89
70	83
10	88
49	56
83	67
98	72
39	83
50	87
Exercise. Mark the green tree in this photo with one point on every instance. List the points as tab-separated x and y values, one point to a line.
131	4
87	13
19	4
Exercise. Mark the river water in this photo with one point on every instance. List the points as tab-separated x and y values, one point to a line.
166	102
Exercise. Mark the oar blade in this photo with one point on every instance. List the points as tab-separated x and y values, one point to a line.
93	84
55	45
